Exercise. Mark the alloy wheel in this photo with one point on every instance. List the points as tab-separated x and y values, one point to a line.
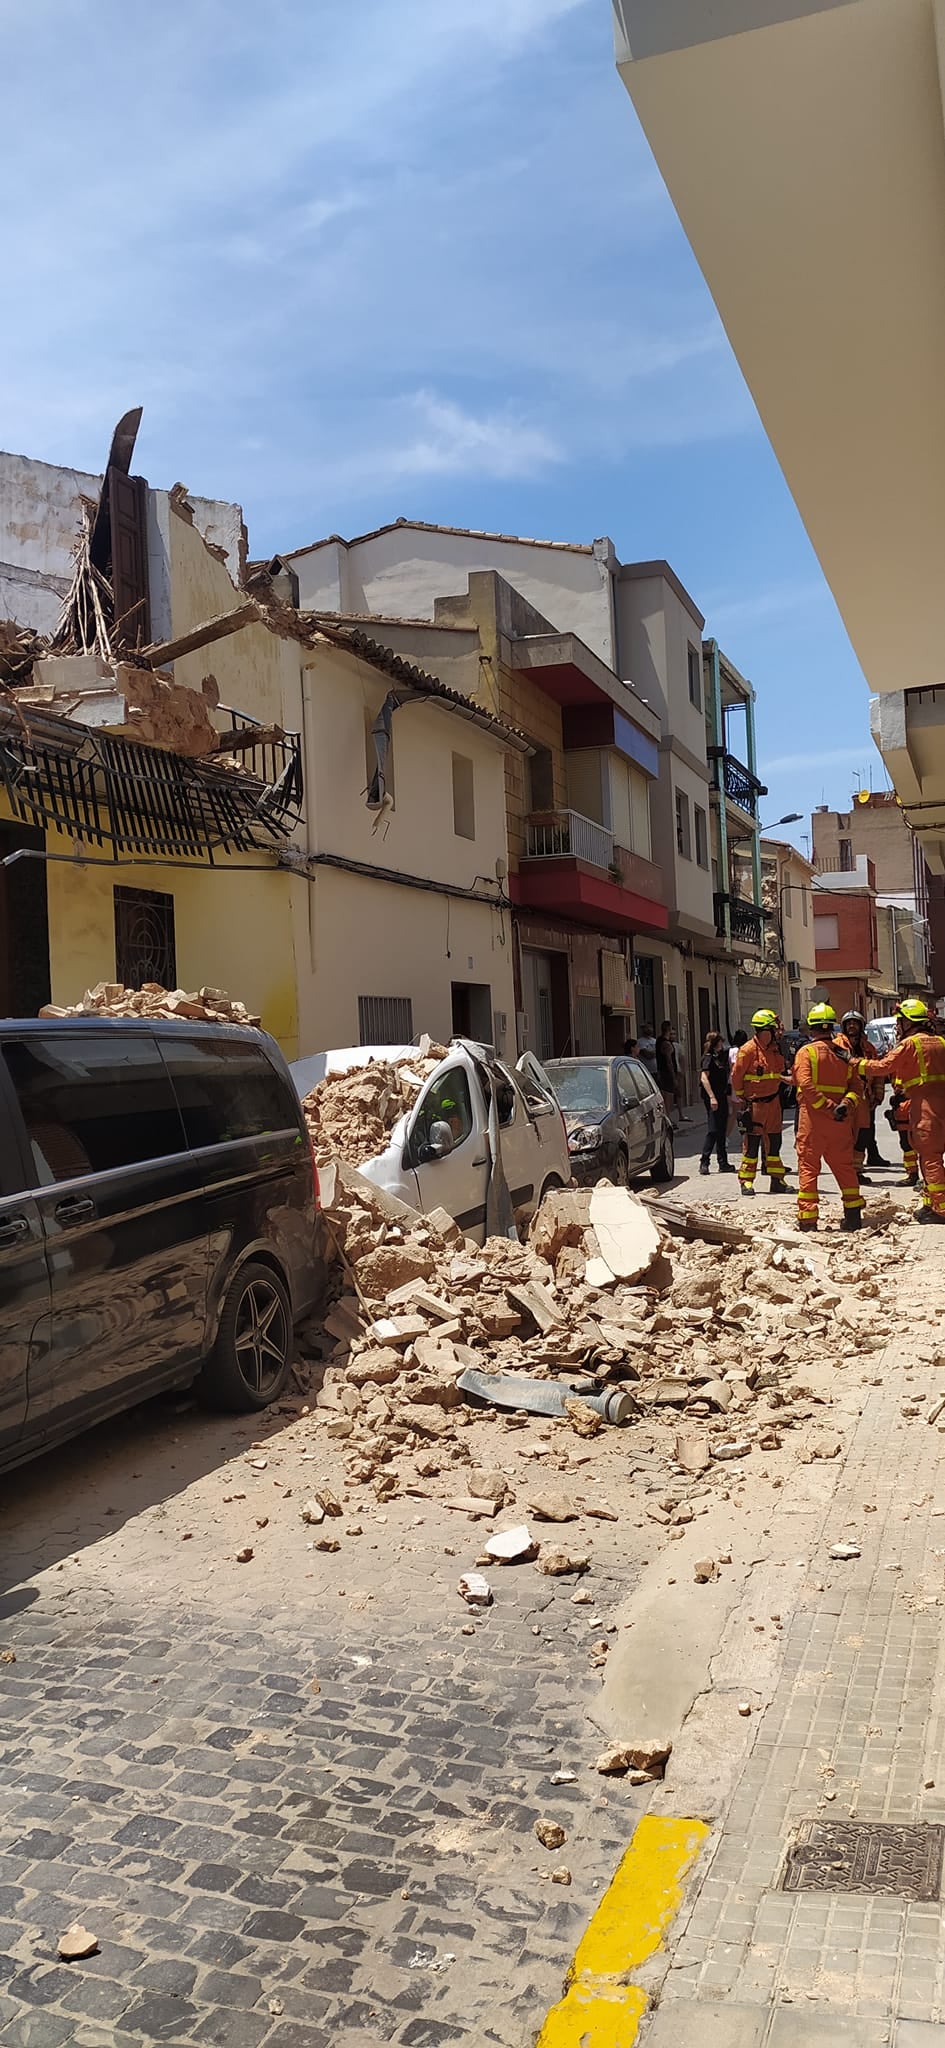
261	1337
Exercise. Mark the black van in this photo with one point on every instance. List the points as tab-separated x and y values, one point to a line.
157	1210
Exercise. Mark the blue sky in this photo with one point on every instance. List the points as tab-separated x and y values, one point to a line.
365	258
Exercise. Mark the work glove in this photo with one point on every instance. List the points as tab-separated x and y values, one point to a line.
841	1112
746	1122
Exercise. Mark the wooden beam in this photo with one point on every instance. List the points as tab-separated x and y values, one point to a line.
164	651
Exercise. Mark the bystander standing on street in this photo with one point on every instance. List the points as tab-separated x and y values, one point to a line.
715	1089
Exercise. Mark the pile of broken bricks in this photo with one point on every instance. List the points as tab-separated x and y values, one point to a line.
711	1346
350	1115
112	999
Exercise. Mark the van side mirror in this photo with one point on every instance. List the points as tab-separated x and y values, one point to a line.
439	1143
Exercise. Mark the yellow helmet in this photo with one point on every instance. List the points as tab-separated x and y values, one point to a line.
822	1013
914	1009
764	1020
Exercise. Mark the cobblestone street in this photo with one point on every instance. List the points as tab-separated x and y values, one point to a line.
262	1861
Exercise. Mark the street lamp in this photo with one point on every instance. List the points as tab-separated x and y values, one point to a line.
792	818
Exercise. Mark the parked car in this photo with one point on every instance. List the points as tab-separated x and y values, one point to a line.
881	1032
438	1155
157	1208
615	1118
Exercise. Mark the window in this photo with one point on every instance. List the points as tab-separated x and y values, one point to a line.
683	829
702	836
445	1102
695	678
464	798
374	791
226	1090
92	1103
541	780
642	1081
826	934
144	938
804	905
847	862
786	895
385	1020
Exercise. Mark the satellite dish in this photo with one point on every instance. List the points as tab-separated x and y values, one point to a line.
863	796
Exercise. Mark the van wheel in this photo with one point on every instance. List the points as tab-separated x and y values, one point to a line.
550	1187
622	1169
249	1364
665	1166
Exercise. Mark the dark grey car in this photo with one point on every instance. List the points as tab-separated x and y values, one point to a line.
616	1119
157	1215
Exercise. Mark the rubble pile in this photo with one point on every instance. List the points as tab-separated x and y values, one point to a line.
350	1116
19	648
717	1350
111	999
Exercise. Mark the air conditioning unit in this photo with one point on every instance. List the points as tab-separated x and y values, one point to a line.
794	970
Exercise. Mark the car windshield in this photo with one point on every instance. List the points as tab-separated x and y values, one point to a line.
582	1085
881	1035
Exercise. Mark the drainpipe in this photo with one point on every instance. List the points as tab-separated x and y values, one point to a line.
718	740
753	768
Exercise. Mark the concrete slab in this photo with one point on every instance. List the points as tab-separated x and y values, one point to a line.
918	2034
794	2026
695	2026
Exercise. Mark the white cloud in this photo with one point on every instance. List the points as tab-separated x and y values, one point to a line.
452	441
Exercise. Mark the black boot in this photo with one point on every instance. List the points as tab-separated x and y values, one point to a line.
725	1166
852	1220
703	1166
779	1187
809	1223
929	1216
864	1180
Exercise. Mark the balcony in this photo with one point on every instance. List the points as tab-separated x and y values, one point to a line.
736	782
572	868
566	835
743	923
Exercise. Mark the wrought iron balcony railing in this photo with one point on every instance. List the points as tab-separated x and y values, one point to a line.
736	781
739	921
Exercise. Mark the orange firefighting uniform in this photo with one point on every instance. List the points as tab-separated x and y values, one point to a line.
899	1106
859	1117
757	1076
823	1078
917	1066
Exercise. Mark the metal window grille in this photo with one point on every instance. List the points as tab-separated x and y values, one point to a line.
144	938
385	1020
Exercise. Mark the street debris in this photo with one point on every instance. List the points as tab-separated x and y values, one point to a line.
705	1570
244	1556
558	1564
77	1943
744	1708
513	1546
844	1551
475	1590
350	1116
561	1876
112	999
550	1834
649	1757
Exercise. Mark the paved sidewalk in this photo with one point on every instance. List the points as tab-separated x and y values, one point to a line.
856	1731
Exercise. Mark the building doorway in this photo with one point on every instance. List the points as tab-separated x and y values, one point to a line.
472	1010
24	925
648	975
547	999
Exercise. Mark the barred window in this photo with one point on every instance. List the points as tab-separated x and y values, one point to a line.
385	1020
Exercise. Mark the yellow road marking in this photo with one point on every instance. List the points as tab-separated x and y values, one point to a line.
600	2008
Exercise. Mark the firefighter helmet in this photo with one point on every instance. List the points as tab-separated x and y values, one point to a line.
853	1017
764	1020
823	1014
914	1010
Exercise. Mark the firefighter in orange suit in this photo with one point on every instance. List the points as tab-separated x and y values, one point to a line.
852	1036
917	1067
829	1095
757	1079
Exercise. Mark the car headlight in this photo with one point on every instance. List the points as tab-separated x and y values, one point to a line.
586	1138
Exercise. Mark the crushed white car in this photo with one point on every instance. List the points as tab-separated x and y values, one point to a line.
483	1140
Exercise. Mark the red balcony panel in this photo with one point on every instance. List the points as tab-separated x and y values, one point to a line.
565	889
